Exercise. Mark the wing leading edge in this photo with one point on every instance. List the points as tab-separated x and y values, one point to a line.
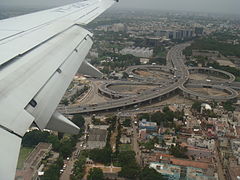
39	55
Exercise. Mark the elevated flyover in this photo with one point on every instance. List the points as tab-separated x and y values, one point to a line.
177	82
229	77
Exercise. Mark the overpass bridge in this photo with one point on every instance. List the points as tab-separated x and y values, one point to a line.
177	82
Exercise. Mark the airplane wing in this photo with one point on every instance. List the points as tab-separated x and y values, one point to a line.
39	55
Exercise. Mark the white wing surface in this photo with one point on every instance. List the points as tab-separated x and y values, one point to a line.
39	55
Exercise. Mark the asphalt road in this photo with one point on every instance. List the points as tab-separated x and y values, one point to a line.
70	163
136	146
181	77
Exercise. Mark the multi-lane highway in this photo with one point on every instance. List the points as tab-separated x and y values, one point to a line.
178	81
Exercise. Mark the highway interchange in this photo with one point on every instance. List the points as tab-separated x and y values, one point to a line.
177	82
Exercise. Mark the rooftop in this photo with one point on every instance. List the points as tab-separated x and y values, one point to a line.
189	163
97	134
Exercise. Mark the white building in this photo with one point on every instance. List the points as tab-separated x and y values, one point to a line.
138	52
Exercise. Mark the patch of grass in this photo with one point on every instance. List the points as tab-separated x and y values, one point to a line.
125	147
237	78
24	152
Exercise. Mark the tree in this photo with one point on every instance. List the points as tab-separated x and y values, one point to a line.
95	174
97	121
34	137
125	75
228	106
157	117
101	155
53	172
178	151
79	166
60	135
127	123
130	168
197	106
150	174
79	120
209	113
215	43
163	143
149	145
164	118
144	116
166	109
65	101
66	148
55	142
179	115
125	157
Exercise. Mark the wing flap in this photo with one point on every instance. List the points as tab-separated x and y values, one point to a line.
21	81
88	69
61	124
51	93
9	151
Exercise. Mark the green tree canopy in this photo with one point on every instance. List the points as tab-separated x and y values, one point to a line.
130	168
130	171
79	120
150	174
178	151
65	101
79	166
101	155
228	106
166	117
53	172
95	174
197	106
125	75
144	116
126	157
127	123
34	137
55	142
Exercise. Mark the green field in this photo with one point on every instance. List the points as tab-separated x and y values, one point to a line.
125	147
24	152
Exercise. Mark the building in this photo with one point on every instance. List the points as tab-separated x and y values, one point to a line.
235	145
205	107
199	153
199	31
97	138
199	141
149	126
33	162
180	34
138	52
118	27
176	172
142	134
144	60
116	76
237	131
125	140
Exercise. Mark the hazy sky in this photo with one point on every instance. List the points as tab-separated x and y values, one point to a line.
220	6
